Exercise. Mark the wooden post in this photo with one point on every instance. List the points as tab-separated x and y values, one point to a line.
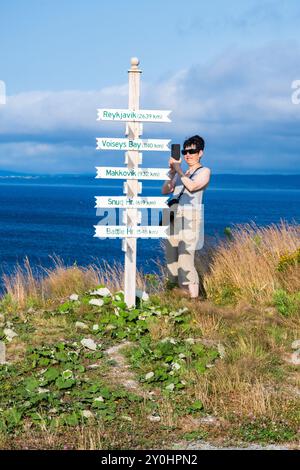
133	131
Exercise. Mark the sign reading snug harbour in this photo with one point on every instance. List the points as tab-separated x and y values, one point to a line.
133	145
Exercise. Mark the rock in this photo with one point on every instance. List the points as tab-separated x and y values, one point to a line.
103	291
154	419
149	375
221	350
93	366
87	414
96	302
99	399
81	326
74	297
43	390
10	334
89	344
2	353
190	340
142	294
170	387
296	344
95	327
295	358
126	418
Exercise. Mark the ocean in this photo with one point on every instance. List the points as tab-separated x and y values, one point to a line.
46	216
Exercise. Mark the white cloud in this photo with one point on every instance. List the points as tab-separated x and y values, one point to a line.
240	102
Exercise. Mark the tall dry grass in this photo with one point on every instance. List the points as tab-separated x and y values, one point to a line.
247	264
28	287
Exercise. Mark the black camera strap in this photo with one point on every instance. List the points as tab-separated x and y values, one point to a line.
176	199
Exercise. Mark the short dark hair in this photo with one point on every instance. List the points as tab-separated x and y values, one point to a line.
195	140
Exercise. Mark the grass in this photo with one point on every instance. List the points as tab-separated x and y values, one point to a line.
226	358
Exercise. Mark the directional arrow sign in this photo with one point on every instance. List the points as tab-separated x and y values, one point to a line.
106	143
142	115
132	173
122	231
131	202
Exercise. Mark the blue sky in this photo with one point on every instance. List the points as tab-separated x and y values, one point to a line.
224	68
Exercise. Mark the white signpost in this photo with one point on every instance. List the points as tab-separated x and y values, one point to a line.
131	202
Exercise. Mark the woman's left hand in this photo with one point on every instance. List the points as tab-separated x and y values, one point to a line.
176	165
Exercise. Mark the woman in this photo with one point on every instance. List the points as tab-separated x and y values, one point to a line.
185	225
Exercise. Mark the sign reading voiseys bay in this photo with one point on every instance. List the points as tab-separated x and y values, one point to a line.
106	143
132	173
124	231
131	202
142	115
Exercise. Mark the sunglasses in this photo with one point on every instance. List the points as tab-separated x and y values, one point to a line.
190	151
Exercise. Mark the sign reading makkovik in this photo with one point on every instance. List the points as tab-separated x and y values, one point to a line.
132	173
107	143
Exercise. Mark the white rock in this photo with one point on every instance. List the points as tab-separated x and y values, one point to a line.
81	326
170	387
74	297
190	340
295	358
89	344
126	418
2	353
43	390
99	399
10	334
87	414
221	350
149	375
141	294
103	291
93	366
95	327
9	324
153	419
97	302
296	344
175	366
181	356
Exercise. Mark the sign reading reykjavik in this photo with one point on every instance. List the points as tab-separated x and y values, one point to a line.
143	115
106	143
132	173
131	202
124	231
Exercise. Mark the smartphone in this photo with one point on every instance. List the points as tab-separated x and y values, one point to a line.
175	151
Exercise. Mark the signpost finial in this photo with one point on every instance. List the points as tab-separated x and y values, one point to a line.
134	63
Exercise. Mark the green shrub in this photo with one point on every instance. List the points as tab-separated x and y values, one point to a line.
286	304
